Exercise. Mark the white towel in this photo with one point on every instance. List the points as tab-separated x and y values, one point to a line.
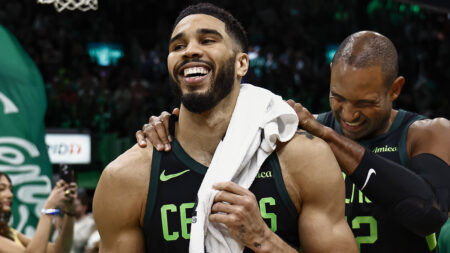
238	158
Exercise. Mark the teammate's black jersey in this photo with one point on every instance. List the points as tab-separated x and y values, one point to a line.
174	182
375	231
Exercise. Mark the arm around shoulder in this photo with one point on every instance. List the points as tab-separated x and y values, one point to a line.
119	201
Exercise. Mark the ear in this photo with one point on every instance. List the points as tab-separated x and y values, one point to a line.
396	88
241	64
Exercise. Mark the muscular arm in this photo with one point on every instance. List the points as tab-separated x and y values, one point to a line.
317	178
412	200
119	202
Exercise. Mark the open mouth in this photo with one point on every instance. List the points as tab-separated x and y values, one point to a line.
6	203
352	126
194	72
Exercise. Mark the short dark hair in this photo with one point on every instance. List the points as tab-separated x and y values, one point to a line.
232	25
366	49
7	177
4	217
83	196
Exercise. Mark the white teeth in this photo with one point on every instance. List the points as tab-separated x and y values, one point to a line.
195	70
351	124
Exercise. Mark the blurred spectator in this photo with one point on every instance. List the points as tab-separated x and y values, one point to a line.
84	225
93	244
84	222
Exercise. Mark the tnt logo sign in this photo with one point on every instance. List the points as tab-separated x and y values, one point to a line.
69	148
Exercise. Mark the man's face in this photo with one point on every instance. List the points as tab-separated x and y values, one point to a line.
6	194
359	100
201	62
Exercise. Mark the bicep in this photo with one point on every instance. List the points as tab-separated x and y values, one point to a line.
125	240
116	209
322	225
321	233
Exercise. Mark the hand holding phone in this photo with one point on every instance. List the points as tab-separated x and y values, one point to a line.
66	173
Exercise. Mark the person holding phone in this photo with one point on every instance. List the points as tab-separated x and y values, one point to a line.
60	201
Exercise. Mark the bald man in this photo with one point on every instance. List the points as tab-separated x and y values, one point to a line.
395	163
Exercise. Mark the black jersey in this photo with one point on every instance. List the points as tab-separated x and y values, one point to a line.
174	182
374	229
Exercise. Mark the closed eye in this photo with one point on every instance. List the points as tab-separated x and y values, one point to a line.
364	103
207	41
177	47
337	98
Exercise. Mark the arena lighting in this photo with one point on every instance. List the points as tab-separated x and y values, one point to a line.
105	54
330	50
435	5
68	146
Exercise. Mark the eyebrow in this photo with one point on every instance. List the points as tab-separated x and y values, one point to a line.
199	31
335	94
209	31
357	101
176	37
4	185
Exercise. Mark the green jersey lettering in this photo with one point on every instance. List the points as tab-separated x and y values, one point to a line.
357	221
264	174
431	241
184	220
265	215
165	223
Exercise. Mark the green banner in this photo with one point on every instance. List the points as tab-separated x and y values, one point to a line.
23	153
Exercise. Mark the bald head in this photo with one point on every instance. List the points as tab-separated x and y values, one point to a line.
367	49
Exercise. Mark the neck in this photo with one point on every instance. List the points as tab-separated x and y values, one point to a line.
200	133
389	122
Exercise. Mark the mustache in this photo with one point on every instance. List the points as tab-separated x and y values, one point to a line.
186	61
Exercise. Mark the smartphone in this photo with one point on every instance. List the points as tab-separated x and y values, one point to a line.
66	173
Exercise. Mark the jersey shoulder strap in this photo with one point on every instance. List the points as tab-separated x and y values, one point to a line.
408	119
326	118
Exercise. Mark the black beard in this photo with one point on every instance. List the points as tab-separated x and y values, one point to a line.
220	88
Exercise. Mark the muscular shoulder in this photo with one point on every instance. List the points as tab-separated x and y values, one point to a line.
430	126
123	186
309	161
304	149
429	136
132	164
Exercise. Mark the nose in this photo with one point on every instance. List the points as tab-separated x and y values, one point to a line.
349	112
8	193
193	50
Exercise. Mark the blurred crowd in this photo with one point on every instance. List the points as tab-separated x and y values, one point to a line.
289	42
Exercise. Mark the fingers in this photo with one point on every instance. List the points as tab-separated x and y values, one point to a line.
150	131
291	102
60	184
232	198
157	131
165	136
141	139
176	111
231	187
